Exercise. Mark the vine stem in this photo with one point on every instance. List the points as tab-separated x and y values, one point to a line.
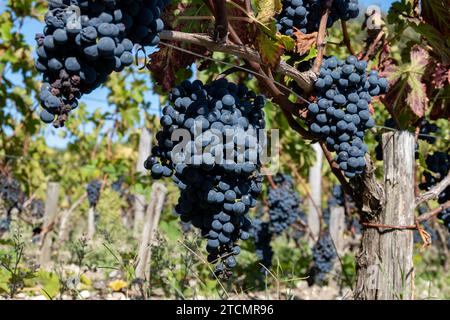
321	37
434	192
346	36
221	27
305	80
231	18
373	46
434	212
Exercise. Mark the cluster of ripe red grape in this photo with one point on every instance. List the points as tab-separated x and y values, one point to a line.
341	114
85	41
305	15
210	144
284	209
93	192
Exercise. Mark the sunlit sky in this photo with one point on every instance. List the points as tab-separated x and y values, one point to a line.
98	99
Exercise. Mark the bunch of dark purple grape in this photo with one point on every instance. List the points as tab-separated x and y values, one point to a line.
427	129
11	195
84	41
341	115
324	255
305	15
438	165
284	209
11	200
93	192
211	145
37	208
284	204
262	237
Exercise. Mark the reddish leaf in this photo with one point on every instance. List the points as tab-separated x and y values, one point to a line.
165	63
436	13
304	42
406	83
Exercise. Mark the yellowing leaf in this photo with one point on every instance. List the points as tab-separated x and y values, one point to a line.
287	42
267	9
117	285
269	49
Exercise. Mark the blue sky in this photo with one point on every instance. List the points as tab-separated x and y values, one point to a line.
98	99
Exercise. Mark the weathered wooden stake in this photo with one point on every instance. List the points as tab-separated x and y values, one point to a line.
337	227
51	209
145	146
385	267
91	223
315	183
65	217
153	214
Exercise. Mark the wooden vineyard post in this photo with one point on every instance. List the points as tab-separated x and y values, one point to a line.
64	222
315	183
337	227
91	223
145	145
384	265
51	209
153	214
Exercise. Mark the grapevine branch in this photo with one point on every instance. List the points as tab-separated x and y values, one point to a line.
373	46
287	106
434	212
221	27
321	37
346	36
303	79
434	192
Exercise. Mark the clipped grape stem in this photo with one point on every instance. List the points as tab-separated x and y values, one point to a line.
346	36
321	37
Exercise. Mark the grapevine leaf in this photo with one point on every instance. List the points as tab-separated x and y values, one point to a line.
437	14
406	84
287	42
304	42
270	50
267	9
441	102
436	39
417	97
